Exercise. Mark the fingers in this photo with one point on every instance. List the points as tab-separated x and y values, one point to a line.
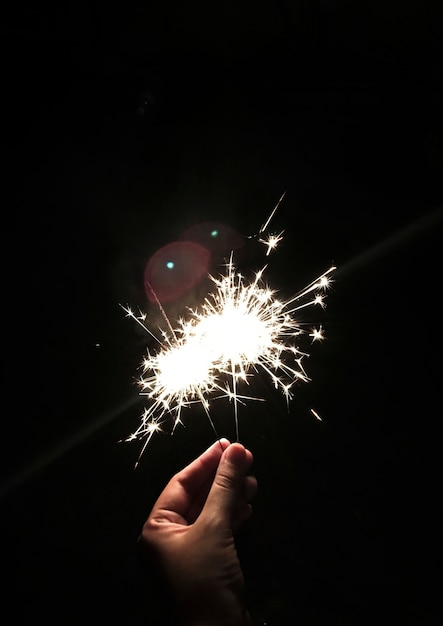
214	485
228	499
243	509
179	495
249	487
203	466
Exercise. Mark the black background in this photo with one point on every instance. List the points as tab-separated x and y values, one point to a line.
123	126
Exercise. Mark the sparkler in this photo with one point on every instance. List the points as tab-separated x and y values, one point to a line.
241	330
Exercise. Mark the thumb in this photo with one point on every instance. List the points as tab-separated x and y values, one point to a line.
227	492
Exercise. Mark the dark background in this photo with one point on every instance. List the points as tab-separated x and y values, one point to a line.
121	127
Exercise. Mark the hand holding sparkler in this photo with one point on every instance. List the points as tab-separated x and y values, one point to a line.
190	534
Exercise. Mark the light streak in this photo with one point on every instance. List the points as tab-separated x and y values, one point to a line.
241	330
316	415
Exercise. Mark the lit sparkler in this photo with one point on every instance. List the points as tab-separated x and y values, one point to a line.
242	329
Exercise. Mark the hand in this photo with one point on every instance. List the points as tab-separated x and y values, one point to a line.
190	534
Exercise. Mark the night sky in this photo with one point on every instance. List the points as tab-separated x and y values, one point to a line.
123	128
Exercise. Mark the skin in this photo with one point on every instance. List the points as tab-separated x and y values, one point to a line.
190	532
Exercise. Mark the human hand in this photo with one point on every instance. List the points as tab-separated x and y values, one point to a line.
190	535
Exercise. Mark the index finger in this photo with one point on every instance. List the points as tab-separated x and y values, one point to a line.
174	502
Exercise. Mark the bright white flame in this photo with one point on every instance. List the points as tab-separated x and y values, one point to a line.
241	329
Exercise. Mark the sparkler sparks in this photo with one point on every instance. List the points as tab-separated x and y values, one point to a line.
242	329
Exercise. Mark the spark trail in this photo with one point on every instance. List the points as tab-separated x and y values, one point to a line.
241	330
